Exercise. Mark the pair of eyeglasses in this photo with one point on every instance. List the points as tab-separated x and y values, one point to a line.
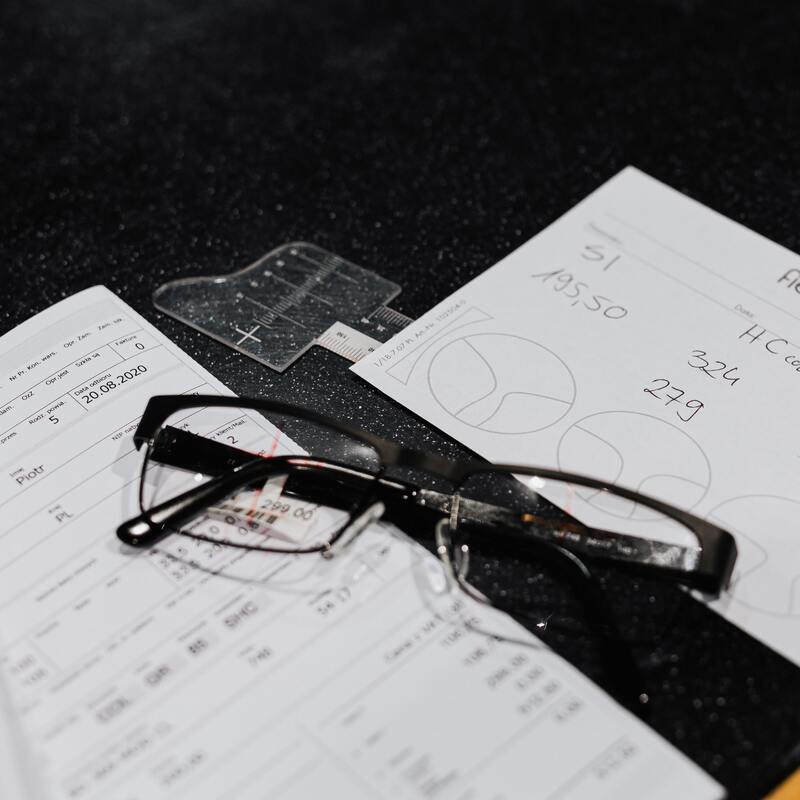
271	477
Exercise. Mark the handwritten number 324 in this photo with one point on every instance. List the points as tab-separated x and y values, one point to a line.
699	361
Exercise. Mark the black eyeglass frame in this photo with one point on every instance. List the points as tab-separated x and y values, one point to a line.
707	568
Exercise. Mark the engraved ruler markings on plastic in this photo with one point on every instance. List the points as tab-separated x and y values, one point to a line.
347	342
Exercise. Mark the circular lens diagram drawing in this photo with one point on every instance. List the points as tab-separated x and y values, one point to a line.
767	584
639	452
501	383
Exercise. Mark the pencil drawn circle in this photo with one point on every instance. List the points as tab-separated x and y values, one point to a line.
639	452
501	383
767	573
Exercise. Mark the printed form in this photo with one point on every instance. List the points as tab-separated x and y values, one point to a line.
649	341
139	675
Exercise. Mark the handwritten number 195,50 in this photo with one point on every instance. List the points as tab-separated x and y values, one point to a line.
699	361
576	291
665	391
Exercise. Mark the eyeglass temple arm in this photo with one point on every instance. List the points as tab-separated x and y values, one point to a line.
150	527
707	569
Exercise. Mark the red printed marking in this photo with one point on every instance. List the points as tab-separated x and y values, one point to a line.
257	493
274	445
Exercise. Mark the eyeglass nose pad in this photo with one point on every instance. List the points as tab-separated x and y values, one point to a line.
443	544
456	566
372	514
462	562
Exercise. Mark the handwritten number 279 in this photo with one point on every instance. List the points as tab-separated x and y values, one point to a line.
664	390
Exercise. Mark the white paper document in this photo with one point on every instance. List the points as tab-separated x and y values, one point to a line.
649	341
140	675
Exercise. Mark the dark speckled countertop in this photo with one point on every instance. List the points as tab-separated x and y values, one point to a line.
143	141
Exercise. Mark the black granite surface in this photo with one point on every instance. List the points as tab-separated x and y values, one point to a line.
146	140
